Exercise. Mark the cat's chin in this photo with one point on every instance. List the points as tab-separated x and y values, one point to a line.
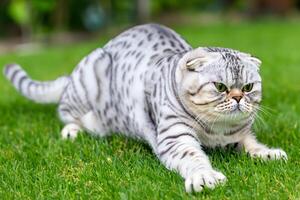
235	115
236	111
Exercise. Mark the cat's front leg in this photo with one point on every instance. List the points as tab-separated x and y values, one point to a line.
256	149
179	149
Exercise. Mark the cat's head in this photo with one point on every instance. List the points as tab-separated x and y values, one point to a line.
219	83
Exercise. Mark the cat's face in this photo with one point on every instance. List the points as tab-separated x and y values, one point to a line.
220	84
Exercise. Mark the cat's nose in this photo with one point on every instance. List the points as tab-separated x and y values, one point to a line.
235	94
237	98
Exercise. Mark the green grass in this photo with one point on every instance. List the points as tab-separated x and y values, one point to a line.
36	164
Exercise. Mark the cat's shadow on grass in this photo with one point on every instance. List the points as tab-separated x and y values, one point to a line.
222	154
26	109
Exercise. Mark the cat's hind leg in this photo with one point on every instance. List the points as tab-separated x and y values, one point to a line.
70	131
92	124
71	120
84	93
88	122
70	111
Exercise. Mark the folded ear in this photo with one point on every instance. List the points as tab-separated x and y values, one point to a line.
196	58
253	60
196	62
256	61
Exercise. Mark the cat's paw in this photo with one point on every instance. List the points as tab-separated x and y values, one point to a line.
70	131
269	154
204	178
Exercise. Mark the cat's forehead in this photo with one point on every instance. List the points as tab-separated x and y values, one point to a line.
231	68
230	56
220	50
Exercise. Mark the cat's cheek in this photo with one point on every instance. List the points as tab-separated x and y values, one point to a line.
201	99
245	107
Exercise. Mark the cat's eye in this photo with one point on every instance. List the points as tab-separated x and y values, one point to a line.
248	87
220	87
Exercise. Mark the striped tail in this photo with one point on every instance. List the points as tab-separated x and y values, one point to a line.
40	92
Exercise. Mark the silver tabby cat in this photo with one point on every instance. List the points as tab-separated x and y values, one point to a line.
150	84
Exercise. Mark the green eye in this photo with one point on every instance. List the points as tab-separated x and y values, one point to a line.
220	87
248	87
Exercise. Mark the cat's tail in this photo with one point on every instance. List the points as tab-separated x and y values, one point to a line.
41	92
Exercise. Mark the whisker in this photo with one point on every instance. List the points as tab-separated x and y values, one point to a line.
260	120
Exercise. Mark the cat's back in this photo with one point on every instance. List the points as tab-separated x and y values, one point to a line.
132	54
148	39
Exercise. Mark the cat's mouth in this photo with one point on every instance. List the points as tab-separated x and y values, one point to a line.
235	113
235	110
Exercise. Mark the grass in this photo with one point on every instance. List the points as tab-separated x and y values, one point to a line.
36	164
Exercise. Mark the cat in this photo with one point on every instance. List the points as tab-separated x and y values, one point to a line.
150	84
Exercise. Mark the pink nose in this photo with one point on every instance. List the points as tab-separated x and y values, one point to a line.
235	94
237	98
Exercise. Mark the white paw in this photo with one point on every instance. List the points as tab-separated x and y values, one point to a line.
204	178
70	131
269	154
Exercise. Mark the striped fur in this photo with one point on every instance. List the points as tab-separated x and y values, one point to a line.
40	92
150	84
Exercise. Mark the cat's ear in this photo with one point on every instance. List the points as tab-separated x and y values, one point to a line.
256	61
196	58
253	60
195	63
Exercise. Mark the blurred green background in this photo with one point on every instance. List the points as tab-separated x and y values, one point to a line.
66	21
49	37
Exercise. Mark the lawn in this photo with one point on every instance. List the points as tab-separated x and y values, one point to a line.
36	164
